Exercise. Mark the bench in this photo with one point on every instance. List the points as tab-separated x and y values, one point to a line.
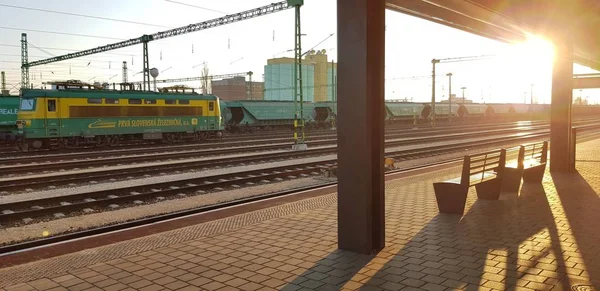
484	171
530	166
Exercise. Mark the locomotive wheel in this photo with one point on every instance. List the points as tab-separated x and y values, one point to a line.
37	144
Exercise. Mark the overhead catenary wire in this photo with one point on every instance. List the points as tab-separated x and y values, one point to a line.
83	15
34	56
199	7
74	50
41	49
325	39
60	33
249	14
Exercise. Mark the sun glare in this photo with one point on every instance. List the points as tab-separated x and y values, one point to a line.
535	49
527	63
530	55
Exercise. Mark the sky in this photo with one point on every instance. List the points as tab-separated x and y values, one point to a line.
511	76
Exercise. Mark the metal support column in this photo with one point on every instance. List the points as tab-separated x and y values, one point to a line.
3	83
146	68
124	72
250	85
433	62
299	143
333	93
560	110
361	75
449	97
24	61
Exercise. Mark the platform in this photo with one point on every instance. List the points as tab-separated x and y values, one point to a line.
546	238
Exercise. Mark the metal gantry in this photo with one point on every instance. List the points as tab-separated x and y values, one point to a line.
190	79
228	19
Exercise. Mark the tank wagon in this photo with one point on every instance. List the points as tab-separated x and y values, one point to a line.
78	117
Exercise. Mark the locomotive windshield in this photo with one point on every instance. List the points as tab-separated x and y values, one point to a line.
26	104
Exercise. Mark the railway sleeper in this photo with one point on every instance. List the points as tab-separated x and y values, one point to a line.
77	204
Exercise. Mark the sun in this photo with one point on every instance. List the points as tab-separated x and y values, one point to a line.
531	55
525	64
535	50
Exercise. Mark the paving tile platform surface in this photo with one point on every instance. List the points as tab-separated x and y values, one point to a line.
547	237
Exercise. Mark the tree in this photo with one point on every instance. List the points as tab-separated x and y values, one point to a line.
205	79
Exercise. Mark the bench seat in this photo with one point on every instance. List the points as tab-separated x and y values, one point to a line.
483	171
488	175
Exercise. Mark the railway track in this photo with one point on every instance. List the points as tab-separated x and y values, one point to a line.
89	202
197	147
228	139
73	235
154	146
48	164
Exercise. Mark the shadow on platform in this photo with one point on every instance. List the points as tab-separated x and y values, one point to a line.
531	239
580	204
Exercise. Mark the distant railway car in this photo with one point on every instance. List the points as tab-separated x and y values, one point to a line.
500	111
586	110
443	109
325	114
521	111
406	112
472	111
69	118
255	115
539	111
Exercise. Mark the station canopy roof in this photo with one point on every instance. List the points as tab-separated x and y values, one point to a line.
512	20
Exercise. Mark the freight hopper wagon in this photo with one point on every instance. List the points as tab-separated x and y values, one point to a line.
407	112
78	117
260	115
325	114
395	113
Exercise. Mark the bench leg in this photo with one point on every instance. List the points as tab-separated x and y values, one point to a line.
489	190
534	174
511	179
451	198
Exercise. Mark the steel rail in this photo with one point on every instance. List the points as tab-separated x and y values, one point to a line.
75	202
36	243
15	167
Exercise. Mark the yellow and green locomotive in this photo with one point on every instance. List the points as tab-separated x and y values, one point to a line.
79	117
